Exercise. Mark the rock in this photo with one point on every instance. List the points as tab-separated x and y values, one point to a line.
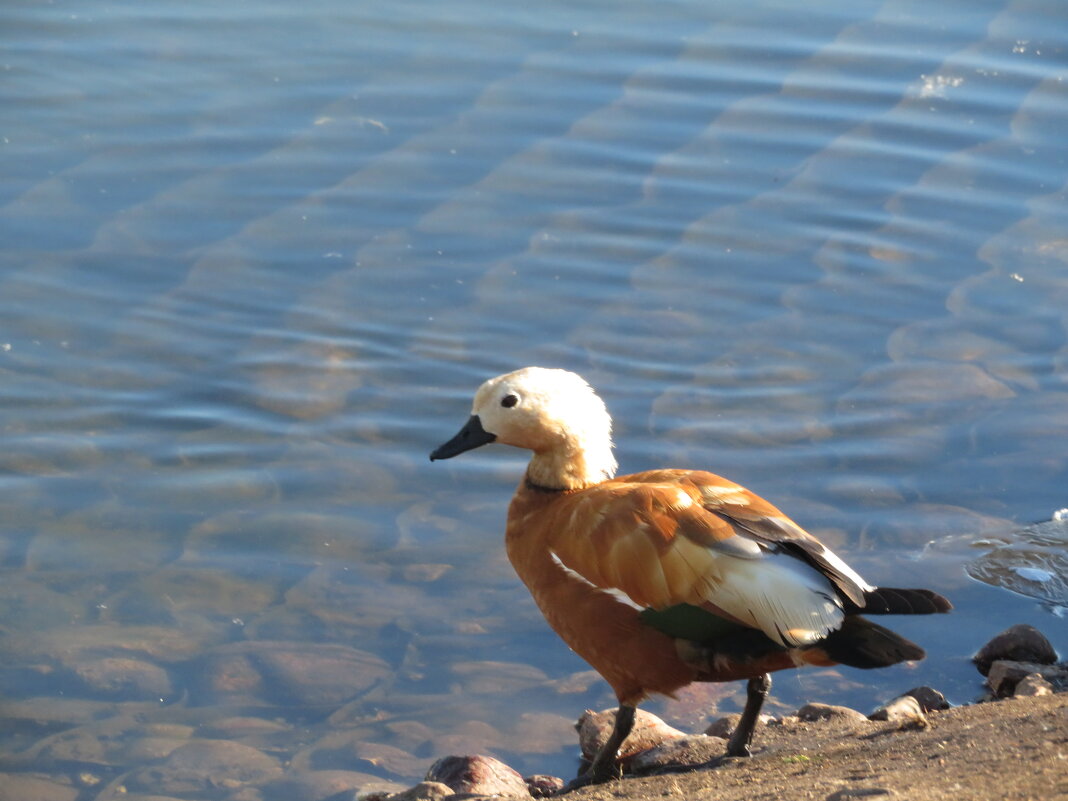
424	791
1032	684
688	751
203	766
1019	643
930	699
814	712
903	709
23	786
724	727
316	785
307	674
542	786
123	678
479	775
594	729
1004	675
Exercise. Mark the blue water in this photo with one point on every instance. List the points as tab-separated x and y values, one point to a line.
255	258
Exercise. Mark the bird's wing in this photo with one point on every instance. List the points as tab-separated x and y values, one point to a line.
676	537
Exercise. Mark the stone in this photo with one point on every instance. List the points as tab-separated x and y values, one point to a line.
1004	675
929	699
542	785
316	785
903	709
594	729
818	712
124	678
204	766
309	674
1019	643
688	751
724	727
1032	685
479	775
424	791
25	786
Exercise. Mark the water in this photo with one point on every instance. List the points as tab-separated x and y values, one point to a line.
256	258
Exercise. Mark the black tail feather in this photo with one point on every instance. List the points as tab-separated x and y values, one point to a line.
860	643
893	601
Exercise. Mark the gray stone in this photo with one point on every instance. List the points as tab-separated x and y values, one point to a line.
929	699
25	786
1019	643
124	678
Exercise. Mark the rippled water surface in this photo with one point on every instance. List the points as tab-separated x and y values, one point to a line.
256	257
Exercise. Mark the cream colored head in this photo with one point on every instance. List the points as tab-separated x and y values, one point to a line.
553	413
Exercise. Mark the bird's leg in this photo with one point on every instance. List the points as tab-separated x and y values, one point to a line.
756	691
603	766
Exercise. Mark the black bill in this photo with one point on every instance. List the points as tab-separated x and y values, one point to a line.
471	436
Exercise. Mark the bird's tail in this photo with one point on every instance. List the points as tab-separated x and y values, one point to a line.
860	643
893	601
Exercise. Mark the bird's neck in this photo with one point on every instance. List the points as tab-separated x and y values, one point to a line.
572	465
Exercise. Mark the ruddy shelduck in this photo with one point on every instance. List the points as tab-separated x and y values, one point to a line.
666	577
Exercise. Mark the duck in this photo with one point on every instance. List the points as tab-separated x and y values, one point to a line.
666	577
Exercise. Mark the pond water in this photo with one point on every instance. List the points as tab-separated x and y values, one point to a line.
257	256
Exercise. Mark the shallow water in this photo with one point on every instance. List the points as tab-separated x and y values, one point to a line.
256	258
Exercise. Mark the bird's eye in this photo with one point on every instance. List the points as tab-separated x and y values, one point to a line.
508	401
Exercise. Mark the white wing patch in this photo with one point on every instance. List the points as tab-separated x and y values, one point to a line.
780	595
618	594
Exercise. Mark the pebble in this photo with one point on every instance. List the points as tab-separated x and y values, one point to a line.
480	775
930	699
1019	643
316	785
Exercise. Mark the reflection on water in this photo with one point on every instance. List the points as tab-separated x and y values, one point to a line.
255	259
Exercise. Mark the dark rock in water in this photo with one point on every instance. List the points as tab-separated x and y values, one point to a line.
543	786
1004	675
813	712
1019	643
478	775
903	709
681	752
